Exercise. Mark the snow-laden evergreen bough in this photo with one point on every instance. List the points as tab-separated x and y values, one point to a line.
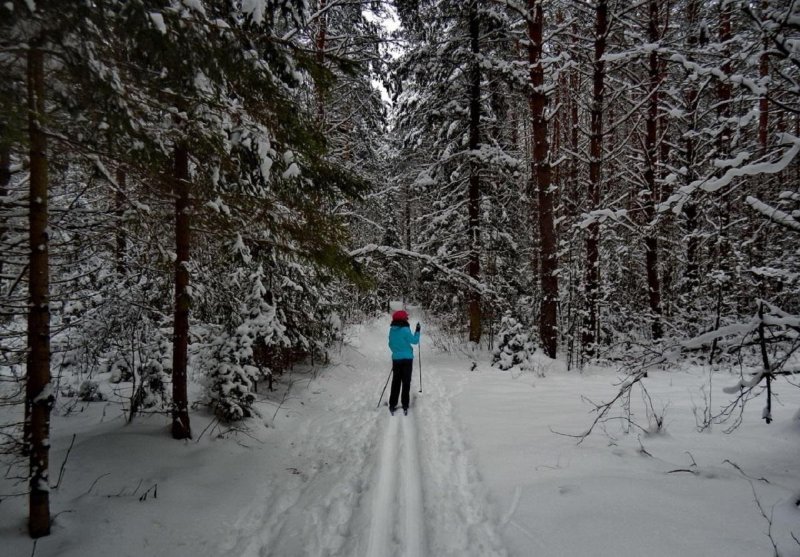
171	127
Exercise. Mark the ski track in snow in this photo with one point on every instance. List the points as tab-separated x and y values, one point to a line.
459	508
380	486
380	532
412	475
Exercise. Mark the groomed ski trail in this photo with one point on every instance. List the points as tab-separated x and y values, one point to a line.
391	504
371	484
380	532
457	511
415	511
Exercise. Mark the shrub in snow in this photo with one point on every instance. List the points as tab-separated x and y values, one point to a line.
151	390
120	372
89	391
514	345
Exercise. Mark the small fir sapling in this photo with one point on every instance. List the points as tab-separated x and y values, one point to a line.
231	371
514	344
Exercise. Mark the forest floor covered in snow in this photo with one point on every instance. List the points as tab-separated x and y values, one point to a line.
477	468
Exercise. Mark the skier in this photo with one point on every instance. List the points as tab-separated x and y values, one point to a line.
400	341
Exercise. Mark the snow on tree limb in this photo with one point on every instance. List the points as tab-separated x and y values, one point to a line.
719	74
774	214
744	384
714	184
390	252
739	329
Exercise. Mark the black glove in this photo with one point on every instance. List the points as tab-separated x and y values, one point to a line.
418	327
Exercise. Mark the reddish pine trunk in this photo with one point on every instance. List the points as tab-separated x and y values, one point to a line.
690	208
37	395
651	155
561	93
595	167
763	102
540	178
575	85
321	40
474	176
180	341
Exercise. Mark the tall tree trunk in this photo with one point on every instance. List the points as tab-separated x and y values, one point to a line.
575	79
763	101
595	167
39	398
651	155
724	93
690	208
321	39
119	212
474	174
407	214
540	180
408	279
561	93
765	184
5	180
180	341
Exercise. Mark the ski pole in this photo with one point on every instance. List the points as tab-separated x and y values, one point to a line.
419	353
384	389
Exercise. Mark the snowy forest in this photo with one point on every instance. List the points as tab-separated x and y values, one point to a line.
202	199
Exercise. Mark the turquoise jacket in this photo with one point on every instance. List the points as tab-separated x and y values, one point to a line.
400	341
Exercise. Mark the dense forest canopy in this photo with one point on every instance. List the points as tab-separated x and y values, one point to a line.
211	191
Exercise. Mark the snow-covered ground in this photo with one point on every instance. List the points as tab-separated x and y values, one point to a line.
475	469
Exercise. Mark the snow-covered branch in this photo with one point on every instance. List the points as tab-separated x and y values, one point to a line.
388	251
773	214
711	185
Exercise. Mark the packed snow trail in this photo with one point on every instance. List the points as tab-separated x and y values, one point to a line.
415	512
361	482
380	533
392	503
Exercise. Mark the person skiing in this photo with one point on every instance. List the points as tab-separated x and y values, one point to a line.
400	341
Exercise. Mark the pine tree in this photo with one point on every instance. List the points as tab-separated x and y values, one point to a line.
595	176
541	181
39	396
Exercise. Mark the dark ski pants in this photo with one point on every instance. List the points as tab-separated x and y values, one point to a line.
401	374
